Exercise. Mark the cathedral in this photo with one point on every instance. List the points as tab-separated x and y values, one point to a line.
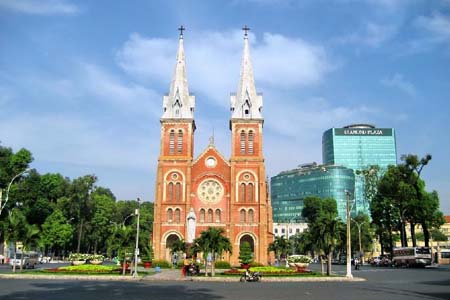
194	193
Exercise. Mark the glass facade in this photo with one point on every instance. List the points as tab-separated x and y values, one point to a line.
290	188
358	147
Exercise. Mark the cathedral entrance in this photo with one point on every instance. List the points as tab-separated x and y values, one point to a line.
171	239
248	238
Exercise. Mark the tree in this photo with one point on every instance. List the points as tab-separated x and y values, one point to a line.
212	241
14	230
245	253
361	233
178	246
324	226
280	246
56	232
122	242
30	235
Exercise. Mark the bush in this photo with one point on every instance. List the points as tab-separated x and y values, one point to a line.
299	259
245	253
256	264
162	263
222	264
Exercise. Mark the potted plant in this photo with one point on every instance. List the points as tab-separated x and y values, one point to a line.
245	255
301	262
78	258
146	257
96	259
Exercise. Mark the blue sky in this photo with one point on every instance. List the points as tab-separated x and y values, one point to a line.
81	83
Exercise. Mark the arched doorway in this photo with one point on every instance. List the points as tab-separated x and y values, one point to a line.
170	240
248	238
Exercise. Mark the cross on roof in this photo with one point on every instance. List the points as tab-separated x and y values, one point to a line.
246	29
181	29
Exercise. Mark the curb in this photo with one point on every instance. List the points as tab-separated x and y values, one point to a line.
196	279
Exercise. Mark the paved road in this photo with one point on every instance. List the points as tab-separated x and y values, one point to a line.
381	284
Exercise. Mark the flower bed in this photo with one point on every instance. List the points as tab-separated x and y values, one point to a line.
265	271
85	269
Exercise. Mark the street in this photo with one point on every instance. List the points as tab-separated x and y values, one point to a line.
382	283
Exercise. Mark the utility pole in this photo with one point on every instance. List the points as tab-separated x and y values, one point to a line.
136	250
349	247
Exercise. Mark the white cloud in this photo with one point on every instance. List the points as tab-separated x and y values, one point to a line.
399	82
372	35
438	25
213	61
40	7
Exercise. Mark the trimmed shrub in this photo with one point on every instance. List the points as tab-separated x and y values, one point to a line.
220	264
162	263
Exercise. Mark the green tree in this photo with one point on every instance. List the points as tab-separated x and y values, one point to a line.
14	230
56	232
361	232
245	253
280	247
122	242
178	246
212	241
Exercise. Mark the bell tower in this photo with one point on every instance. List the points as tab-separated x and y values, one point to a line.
173	178
250	205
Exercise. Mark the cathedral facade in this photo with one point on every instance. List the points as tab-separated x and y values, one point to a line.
194	193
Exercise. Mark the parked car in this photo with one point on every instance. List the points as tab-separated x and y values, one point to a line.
382	260
30	260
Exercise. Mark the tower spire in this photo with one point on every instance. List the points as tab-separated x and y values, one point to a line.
246	104
179	104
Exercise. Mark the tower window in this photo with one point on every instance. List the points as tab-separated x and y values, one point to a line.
250	216
172	142
178	192
177	215
210	216
250	192
242	142
242	216
169	215
217	215
242	192
170	192
180	142
250	142
202	215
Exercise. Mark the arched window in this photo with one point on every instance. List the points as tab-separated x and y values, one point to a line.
242	142
210	216
242	193
177	215
170	192
172	142
250	142
217	215
250	216
178	192
169	215
202	215
250	192
242	216
180	141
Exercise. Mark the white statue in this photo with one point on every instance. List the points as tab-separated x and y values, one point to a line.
191	225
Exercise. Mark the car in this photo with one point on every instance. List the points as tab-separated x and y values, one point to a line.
30	260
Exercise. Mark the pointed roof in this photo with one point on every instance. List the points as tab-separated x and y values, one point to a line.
246	104
178	103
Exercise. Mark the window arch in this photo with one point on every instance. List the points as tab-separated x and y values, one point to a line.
210	216
202	215
250	216
177	215
250	142
242	192
180	142
172	142
250	192
178	192
169	215
242	216
218	216
170	192
243	142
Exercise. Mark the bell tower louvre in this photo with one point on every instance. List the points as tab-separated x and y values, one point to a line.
210	190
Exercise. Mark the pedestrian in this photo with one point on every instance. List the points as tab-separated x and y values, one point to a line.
186	263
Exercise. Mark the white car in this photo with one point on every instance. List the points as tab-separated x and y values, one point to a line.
30	260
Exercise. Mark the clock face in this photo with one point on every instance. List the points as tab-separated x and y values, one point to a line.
210	162
210	191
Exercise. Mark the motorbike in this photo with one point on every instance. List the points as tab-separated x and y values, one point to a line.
254	276
193	270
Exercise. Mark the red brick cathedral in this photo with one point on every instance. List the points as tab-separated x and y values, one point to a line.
194	193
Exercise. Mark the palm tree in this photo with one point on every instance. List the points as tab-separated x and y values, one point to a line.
122	242
280	246
178	246
14	230
29	237
212	241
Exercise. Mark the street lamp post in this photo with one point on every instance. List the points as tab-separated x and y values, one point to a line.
359	224
349	247
136	250
2	205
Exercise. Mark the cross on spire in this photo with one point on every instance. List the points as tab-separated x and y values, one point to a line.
246	29
181	29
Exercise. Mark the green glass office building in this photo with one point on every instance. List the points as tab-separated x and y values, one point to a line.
358	147
290	188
